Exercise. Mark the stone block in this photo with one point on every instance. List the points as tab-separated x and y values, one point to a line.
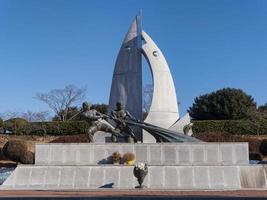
126	148
212	154
56	154
127	179
52	177
216	177
112	177
141	153
253	176
85	155
81	179
169	154
171	177
241	154
186	177
38	175
100	156
67	177
97	177
201	178
41	154
226	154
198	155
22	177
70	153
184	155
231	177
155	156
156	177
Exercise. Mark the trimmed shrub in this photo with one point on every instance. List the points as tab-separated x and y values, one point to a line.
238	127
15	125
1	122
18	150
56	128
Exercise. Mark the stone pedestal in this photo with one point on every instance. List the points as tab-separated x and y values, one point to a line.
190	166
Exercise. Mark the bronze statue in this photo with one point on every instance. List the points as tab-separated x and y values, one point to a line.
92	116
119	116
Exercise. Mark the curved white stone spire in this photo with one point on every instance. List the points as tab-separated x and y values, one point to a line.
164	109
127	77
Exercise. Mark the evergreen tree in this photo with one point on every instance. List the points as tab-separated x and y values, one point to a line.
226	103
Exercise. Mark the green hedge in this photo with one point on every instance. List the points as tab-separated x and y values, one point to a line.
52	128
1	122
14	125
239	127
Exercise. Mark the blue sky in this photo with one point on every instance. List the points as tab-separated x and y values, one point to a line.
52	43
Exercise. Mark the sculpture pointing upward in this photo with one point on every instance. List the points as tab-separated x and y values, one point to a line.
127	81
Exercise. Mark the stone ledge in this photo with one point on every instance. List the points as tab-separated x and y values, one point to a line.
153	154
121	177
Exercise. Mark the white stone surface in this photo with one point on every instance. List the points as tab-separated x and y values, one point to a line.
179	125
164	108
127	76
156	154
121	177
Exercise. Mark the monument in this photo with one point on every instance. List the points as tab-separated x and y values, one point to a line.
127	83
185	164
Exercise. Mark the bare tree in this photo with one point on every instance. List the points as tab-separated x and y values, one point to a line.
31	116
9	114
59	100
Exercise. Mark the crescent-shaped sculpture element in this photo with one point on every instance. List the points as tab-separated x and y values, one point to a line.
164	109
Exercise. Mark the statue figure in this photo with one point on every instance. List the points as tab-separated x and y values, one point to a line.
119	115
94	117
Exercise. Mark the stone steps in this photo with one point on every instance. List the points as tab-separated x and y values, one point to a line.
121	177
176	166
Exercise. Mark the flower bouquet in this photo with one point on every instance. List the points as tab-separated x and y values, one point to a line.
116	157
128	158
140	171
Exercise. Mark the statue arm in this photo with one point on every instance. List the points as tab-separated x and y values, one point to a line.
130	116
113	114
93	116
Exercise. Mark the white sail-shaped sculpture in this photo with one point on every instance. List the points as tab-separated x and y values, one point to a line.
164	108
127	77
127	81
